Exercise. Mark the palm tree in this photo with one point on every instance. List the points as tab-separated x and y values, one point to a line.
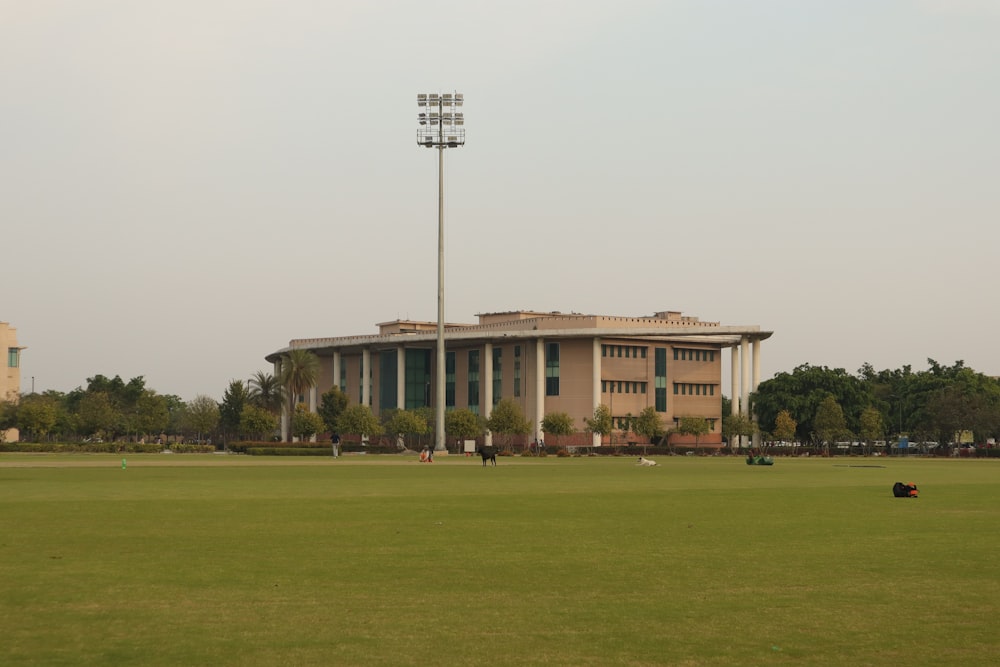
299	372
266	393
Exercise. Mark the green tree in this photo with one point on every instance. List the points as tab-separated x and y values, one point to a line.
177	409
801	392
305	424
507	420
405	425
872	427
152	413
463	424
736	427
557	424
266	392
829	422
600	423
299	370
257	422
784	427
96	416
359	420
649	424
696	426
331	404
37	415
202	416
235	398
8	417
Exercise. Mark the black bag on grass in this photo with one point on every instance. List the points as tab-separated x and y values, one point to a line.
908	490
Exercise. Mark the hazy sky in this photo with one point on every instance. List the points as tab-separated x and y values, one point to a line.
186	186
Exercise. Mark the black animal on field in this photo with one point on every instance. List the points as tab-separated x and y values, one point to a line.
488	454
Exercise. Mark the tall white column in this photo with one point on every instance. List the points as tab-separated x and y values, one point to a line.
755	382
595	439
313	395
539	385
756	363
734	407
284	406
487	367
401	377
366	377
744	380
744	376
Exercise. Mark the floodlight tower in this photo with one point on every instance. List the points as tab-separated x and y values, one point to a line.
441	127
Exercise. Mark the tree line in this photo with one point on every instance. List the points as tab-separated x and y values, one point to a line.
810	404
819	405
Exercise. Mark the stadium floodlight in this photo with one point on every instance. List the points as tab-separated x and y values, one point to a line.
441	126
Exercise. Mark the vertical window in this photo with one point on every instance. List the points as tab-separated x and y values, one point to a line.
474	381
497	374
660	377
387	380
449	379
642	352
343	376
13	357
552	369
418	379
517	370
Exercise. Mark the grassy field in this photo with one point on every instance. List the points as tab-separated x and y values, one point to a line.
216	560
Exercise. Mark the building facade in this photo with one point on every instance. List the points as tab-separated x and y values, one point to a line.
10	379
547	362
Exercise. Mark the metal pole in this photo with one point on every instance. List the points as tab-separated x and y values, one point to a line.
439	435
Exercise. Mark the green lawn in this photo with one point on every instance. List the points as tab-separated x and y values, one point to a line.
215	560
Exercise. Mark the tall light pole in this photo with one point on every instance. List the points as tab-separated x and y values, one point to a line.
441	127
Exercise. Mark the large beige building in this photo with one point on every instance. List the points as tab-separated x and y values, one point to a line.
10	379
547	362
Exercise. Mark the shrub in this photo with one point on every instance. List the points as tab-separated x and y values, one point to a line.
289	451
181	448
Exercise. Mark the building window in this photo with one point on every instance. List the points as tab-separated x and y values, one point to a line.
660	378
13	357
418	379
449	380
474	381
343	377
685	354
517	370
552	369
387	380
497	374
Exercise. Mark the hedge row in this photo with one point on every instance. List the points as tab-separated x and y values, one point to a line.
87	448
244	447
289	451
101	448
